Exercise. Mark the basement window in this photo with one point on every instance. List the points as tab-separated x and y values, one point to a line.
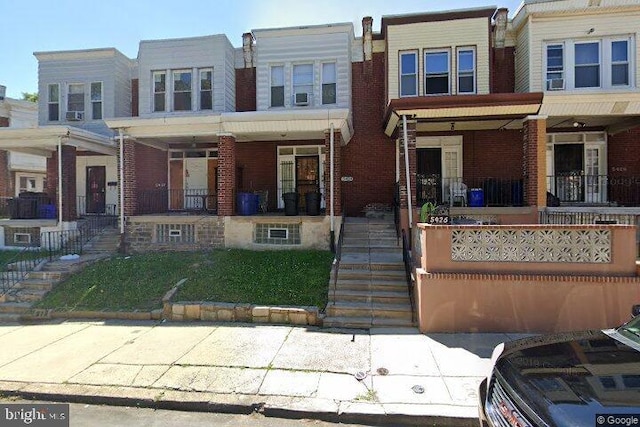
175	233
23	238
278	233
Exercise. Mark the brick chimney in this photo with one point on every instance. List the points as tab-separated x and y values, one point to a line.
501	20
367	38
247	49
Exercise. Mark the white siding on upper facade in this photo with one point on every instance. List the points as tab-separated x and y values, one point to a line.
302	47
565	27
435	35
189	53
100	65
522	59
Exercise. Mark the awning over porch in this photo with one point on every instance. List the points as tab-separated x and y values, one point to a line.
463	112
290	125
44	140
614	111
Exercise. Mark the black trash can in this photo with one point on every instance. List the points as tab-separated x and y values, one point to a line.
312	200
290	203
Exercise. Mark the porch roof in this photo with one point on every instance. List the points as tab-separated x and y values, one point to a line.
43	140
466	112
287	125
614	111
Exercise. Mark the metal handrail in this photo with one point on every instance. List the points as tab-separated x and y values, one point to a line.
338	257
408	269
19	267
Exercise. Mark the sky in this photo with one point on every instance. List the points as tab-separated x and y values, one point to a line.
28	26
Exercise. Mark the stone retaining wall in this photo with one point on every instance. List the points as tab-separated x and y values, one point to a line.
153	233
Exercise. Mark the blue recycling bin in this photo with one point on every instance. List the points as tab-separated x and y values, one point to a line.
476	197
245	204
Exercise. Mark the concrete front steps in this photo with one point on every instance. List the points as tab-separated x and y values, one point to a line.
371	288
107	242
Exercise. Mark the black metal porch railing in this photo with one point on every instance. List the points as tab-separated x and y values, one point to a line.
17	268
595	189
83	209
337	257
164	200
28	205
495	191
408	269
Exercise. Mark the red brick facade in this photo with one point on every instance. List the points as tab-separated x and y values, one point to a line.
130	183
226	174
246	89
69	199
337	172
624	153
503	70
531	161
6	184
145	169
492	154
369	158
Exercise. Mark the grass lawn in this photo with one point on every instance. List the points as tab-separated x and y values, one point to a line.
140	282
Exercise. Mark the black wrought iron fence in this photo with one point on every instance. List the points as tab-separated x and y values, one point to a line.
164	200
480	191
17	268
595	189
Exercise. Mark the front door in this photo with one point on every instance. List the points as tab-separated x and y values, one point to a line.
568	164
307	177
195	183
429	175
96	196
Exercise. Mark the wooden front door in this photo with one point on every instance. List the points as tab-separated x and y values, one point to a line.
307	177
96	195
176	185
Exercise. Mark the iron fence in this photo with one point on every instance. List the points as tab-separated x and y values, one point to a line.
595	189
457	190
164	200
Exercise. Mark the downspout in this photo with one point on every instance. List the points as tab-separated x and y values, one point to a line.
60	181
121	137
406	169
397	159
331	185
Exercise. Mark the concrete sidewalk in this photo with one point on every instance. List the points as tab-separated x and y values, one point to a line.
391	376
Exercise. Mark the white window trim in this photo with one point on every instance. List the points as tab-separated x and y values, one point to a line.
101	99
449	73
173	88
474	69
600	64
401	74
153	91
284	84
199	100
293	82
49	102
335	77
605	63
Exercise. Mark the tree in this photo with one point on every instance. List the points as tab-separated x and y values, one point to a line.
32	97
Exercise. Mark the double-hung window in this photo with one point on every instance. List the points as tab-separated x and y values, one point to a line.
302	84
182	90
620	63
206	89
436	68
159	90
53	102
277	86
555	67
75	98
587	65
96	100
466	70
409	74
329	83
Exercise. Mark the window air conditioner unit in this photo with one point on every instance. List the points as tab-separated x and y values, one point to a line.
555	84
301	98
74	116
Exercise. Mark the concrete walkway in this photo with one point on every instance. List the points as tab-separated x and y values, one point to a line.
278	370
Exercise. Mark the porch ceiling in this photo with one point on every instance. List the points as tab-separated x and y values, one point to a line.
44	140
245	126
464	112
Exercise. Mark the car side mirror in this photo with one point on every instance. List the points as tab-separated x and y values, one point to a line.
635	310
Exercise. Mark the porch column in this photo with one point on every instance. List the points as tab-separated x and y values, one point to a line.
411	151
337	172
226	174
69	199
130	207
535	160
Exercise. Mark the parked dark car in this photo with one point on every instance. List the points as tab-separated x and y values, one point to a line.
565	379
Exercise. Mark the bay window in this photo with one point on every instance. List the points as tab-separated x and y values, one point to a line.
53	102
182	90
329	83
159	90
302	84
75	97
206	89
96	100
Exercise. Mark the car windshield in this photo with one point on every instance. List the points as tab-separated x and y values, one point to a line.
631	329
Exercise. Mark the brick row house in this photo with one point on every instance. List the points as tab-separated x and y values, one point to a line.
198	144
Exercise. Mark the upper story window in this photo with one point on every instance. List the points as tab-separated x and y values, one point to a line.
466	70
96	100
329	83
206	89
159	90
587	65
409	74
75	98
277	86
182	90
437	71
53	102
302	84
604	63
